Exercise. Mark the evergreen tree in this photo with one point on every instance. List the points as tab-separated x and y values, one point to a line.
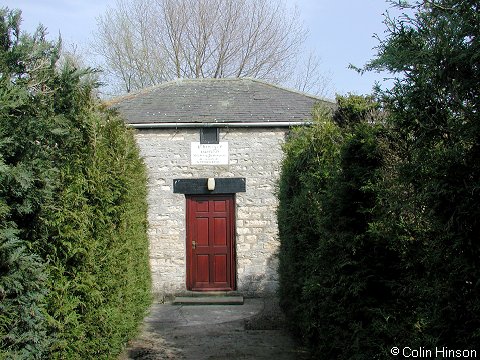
74	274
434	113
26	181
338	280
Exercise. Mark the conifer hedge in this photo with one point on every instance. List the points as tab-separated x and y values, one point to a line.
337	280
378	216
74	274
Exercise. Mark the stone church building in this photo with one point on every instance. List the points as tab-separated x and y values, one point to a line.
212	148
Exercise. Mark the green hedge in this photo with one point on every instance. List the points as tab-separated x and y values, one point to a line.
378	220
75	279
339	282
97	250
310	163
23	330
434	116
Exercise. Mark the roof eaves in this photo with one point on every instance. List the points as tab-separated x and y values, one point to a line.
260	124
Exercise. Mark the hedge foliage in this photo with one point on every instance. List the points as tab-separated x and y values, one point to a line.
378	217
336	278
433	181
74	274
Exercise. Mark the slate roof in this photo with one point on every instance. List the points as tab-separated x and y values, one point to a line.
235	100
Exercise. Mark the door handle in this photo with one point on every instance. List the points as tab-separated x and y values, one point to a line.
194	244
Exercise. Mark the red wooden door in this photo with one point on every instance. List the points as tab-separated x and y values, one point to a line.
210	245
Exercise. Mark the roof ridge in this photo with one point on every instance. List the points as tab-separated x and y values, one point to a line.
281	87
138	92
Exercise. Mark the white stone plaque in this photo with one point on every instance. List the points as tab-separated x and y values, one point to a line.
209	154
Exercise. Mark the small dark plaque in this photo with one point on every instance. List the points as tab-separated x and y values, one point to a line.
209	136
199	186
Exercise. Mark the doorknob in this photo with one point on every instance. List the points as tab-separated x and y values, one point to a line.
194	244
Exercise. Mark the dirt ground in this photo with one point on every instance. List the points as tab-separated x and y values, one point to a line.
254	330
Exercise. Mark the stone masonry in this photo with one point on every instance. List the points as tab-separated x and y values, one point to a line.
254	153
253	118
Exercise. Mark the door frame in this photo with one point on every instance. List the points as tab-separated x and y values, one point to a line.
189	235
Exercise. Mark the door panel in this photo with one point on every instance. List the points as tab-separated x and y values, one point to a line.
220	266
210	242
219	205
220	231
202	268
202	231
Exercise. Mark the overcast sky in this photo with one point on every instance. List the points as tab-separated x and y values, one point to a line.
340	31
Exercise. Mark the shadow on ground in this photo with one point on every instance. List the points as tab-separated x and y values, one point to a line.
254	330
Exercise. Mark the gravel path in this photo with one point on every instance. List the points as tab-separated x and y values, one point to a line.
253	330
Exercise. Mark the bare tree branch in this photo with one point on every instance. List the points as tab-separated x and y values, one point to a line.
146	42
309	78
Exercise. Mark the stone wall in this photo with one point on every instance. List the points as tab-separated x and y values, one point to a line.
254	154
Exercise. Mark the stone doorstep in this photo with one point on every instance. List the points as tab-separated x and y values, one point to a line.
188	293
209	298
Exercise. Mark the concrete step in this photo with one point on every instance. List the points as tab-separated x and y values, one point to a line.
208	300
188	293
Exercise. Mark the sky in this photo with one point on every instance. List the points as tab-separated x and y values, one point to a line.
341	32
